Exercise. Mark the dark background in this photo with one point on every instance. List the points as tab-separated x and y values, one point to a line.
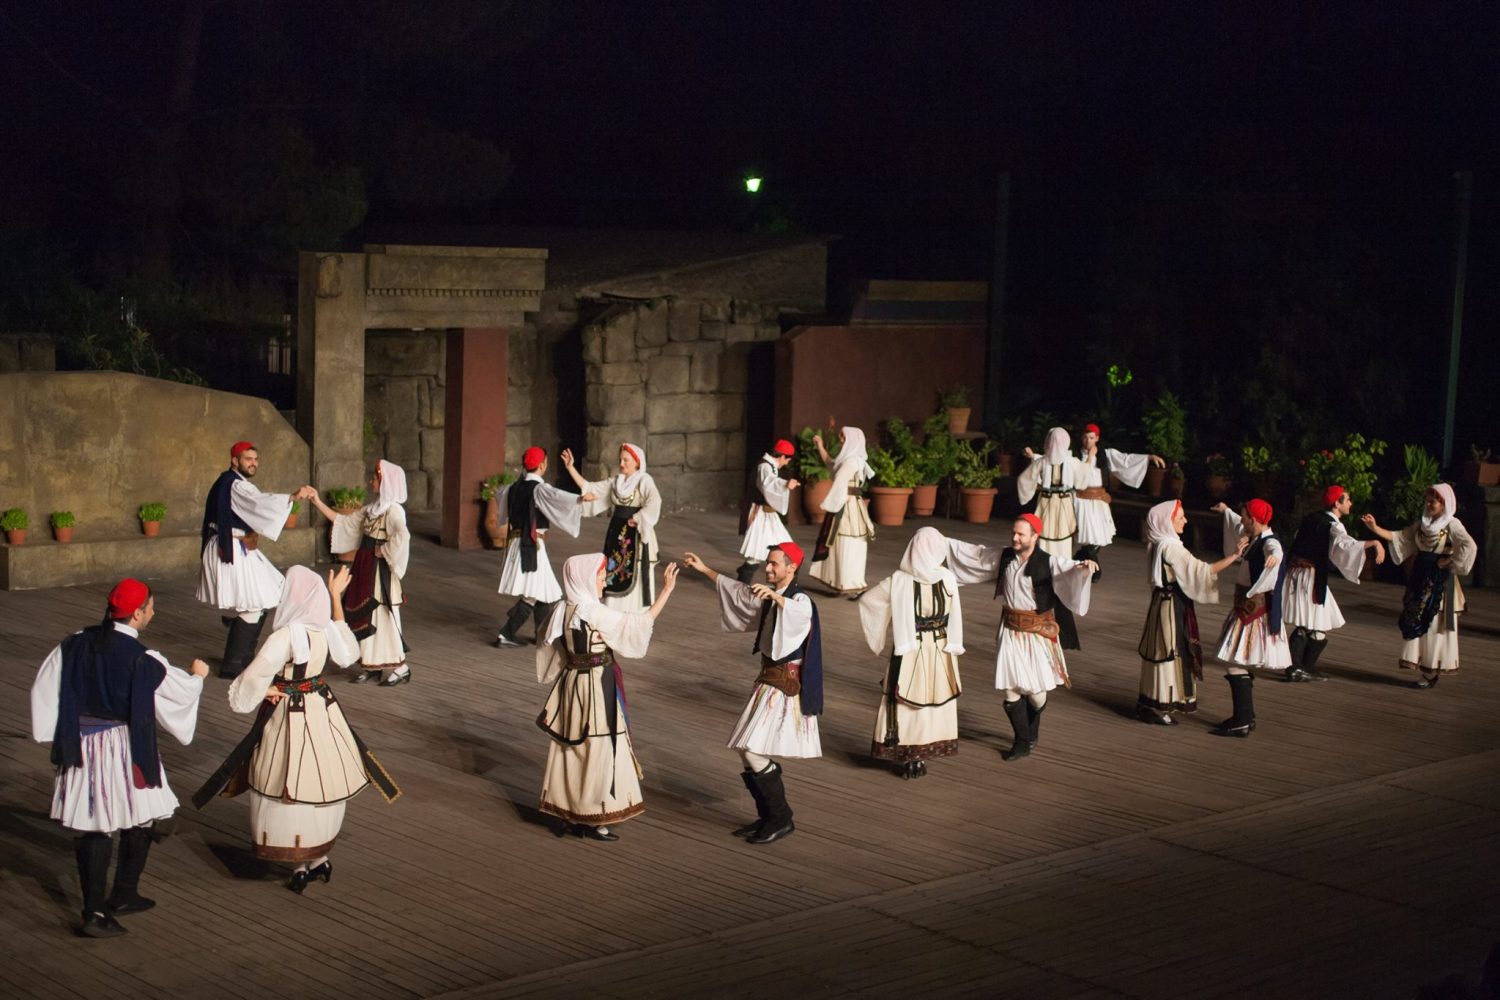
1251	204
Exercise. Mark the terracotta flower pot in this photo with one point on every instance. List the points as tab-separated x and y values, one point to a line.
1155	482
151	528
813	495
888	504
978	504
924	500
1217	486
63	535
291	520
958	419
1006	463
1489	474
15	536
492	534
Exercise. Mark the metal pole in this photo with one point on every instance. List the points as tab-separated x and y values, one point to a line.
995	338
1464	181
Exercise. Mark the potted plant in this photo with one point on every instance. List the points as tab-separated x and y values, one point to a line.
1165	424
62	525
345	500
813	474
937	459
1480	470
291	519
1350	465
152	514
896	477
1008	434
976	480
1176	482
15	522
1220	473
955	400
1261	466
496	534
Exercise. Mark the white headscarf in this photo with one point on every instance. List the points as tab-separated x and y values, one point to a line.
625	485
305	604
1159	534
392	487
1057	447
852	455
1431	526
924	562
581	593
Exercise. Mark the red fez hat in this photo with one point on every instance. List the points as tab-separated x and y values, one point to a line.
1260	510
792	551
1332	495
127	597
1033	520
532	458
783	447
239	448
1091	427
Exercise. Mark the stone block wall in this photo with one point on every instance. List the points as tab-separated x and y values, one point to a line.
404	377
27	352
670	374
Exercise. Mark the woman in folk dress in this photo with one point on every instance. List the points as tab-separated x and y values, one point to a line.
844	540
592	777
634	506
1436	551
381	543
301	761
918	607
1054	478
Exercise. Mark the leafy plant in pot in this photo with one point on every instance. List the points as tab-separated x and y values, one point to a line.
291	519
1165	426
1481	469
1220	476
976	480
152	515
1261	466
1008	434
896	478
496	534
955	401
14	523
936	458
812	472
346	500
62	525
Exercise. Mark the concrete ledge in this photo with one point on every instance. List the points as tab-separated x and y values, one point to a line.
42	562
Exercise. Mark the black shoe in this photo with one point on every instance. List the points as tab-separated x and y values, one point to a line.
100	925
773	834
907	771
919	769
594	833
399	677
1296	675
323	871
503	641
1230	728
363	677
749	829
1019	749
136	904
1154	716
1426	682
298	881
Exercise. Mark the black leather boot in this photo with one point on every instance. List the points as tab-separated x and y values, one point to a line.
513	621
1315	649
540	612
92	851
751	829
1241	687
1020	721
239	648
778	822
1296	645
1034	720
135	845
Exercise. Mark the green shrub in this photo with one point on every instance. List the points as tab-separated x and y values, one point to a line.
14	519
1410	491
974	469
490	486
1165	424
62	519
346	497
153	511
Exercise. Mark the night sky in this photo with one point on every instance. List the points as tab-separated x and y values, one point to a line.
1173	153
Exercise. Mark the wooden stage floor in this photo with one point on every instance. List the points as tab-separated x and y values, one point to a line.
1348	849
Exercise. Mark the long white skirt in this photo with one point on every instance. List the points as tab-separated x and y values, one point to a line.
1059	516
1027	662
773	725
1253	644
249	583
1298	609
100	796
765	531
538	585
593	783
926	707
844	569
293	831
1096	522
1435	651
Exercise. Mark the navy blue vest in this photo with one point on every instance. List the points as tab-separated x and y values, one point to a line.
219	516
525	520
108	675
1311	544
1255	557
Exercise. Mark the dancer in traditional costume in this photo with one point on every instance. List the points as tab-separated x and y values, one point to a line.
301	762
381	543
766	502
918	608
1436	551
1029	659
1054	478
844	539
1096	523
1311	613
1254	634
98	699
236	578
781	717
593	778
530	508
634	507
1171	652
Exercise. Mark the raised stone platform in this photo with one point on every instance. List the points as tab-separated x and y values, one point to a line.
42	562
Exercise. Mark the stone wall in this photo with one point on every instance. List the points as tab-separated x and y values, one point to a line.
671	375
27	352
404	377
